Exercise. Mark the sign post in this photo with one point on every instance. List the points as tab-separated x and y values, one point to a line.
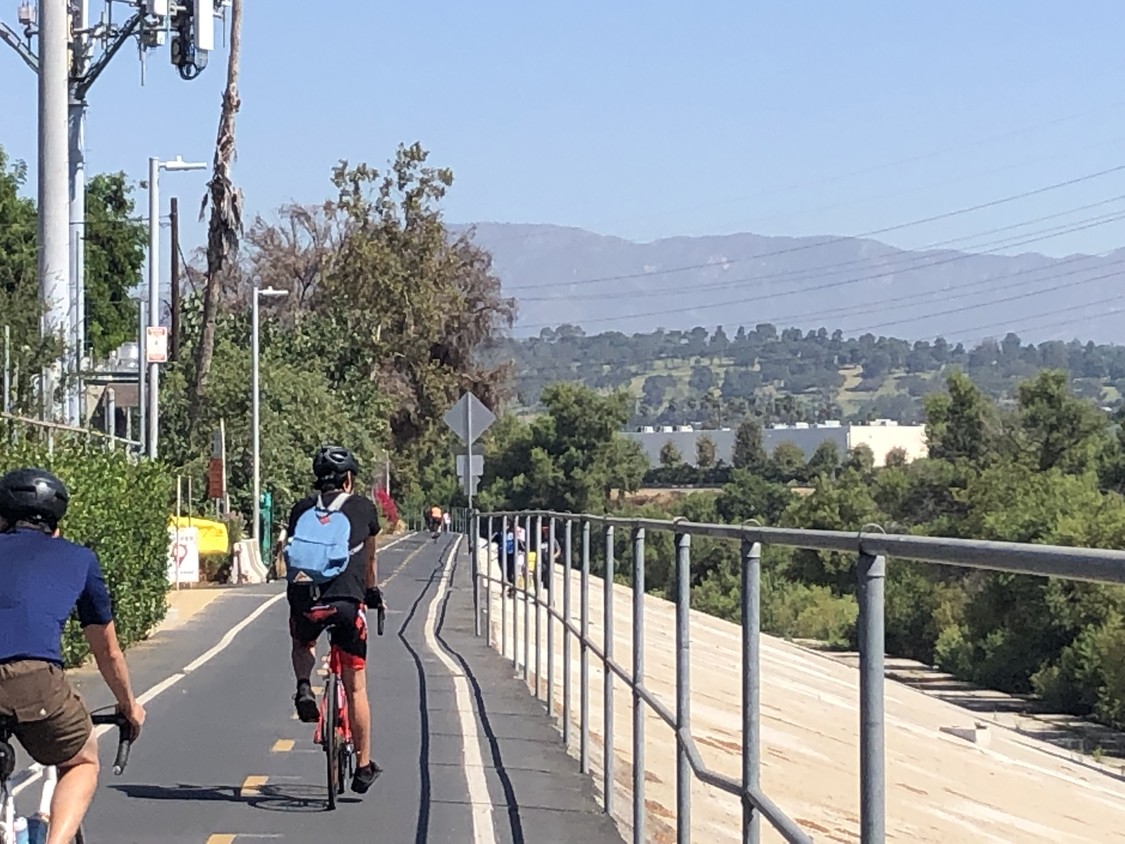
468	419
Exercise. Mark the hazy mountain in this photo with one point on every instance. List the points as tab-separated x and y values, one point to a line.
562	275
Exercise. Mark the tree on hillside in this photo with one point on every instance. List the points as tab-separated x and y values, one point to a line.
749	451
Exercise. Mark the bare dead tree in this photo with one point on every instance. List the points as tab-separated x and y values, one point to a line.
225	226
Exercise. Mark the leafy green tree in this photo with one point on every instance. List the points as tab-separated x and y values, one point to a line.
960	424
787	463
115	254
861	459
749	451
825	460
1060	430
705	453
670	456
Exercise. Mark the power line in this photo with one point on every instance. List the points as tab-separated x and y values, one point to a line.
840	238
923	261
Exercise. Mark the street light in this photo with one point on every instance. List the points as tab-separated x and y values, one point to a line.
155	165
270	293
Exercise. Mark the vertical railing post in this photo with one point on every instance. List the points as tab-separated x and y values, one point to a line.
488	582
504	592
751	684
526	616
683	687
474	548
538	615
638	682
607	673
584	654
568	563
549	574
872	572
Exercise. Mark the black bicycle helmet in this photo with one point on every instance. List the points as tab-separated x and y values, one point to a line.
33	495
332	461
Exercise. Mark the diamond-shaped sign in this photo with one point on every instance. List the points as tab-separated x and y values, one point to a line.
469	418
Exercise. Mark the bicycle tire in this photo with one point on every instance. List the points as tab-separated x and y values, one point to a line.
330	738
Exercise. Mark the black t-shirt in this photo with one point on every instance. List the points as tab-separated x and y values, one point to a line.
364	521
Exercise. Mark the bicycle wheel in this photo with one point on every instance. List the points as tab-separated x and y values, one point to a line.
331	740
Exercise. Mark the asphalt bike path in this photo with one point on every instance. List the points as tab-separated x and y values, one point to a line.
467	754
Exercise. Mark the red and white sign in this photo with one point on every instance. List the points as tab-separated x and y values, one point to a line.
183	555
156	345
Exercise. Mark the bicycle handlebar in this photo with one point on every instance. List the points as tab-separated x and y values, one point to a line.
116	719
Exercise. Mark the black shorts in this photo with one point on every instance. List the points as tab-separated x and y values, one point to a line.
346	624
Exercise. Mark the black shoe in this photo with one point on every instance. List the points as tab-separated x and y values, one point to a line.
305	700
364	777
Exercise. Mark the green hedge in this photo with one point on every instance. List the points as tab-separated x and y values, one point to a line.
120	510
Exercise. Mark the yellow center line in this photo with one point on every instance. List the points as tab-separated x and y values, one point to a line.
283	745
252	785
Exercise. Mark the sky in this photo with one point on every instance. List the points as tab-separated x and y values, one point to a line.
649	120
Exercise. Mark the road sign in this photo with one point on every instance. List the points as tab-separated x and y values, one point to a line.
469	418
156	344
183	555
478	465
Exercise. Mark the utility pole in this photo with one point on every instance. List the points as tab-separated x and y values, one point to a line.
53	167
76	148
174	290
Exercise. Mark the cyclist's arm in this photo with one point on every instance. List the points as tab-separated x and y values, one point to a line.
371	564
111	662
95	614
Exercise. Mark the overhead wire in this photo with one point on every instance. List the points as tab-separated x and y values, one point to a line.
922	261
816	243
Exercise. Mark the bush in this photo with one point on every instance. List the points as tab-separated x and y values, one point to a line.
119	509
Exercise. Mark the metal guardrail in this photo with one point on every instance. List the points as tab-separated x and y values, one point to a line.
49	430
871	546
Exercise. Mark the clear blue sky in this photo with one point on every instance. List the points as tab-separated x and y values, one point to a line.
648	119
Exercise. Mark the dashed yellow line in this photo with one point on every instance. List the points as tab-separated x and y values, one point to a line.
283	745
252	786
221	838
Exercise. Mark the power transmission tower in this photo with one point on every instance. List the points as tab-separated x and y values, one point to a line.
70	54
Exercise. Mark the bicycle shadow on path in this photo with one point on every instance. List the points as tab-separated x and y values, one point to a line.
270	797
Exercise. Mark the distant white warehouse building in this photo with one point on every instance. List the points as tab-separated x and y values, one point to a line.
880	436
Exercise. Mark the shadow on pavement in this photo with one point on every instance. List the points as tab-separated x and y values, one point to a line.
268	797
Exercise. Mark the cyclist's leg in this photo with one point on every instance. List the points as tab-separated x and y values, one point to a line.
349	634
303	631
55	729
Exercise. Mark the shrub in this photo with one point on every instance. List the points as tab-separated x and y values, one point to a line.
119	509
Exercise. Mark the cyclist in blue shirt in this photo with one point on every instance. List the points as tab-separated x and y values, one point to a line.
45	578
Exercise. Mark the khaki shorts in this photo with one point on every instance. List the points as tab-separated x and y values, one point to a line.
50	720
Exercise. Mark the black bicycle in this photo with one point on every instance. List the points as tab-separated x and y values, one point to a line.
50	774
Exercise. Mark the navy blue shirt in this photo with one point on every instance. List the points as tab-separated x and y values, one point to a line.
42	579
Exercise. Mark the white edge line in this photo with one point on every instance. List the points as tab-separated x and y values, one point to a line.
34	772
484	832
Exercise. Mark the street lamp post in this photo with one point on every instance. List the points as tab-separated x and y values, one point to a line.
155	165
268	292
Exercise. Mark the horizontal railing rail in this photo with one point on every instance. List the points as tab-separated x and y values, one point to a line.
870	545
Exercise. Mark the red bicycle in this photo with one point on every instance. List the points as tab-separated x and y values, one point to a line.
334	727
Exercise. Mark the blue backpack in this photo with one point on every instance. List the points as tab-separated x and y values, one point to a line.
318	550
510	544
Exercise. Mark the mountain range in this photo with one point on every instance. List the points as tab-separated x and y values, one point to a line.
602	283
